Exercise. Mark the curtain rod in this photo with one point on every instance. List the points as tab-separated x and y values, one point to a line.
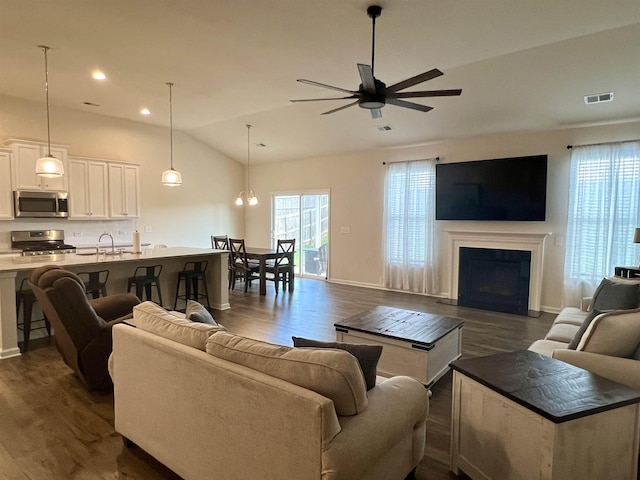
569	147
437	159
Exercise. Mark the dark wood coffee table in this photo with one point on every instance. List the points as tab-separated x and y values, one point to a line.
416	344
521	416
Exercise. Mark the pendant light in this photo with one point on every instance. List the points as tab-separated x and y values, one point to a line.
48	166
171	177
251	197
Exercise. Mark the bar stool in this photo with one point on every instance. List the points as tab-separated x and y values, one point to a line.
144	279
192	274
95	283
28	298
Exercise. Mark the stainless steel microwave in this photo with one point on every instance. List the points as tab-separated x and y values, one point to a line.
40	204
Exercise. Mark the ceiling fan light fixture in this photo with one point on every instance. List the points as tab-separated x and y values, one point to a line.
371	102
48	166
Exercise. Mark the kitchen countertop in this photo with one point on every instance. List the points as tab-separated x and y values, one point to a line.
13	263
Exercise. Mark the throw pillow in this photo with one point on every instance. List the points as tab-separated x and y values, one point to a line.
612	295
334	374
154	319
198	313
587	321
367	355
616	334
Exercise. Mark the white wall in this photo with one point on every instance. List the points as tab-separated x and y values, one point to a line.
356	182
186	215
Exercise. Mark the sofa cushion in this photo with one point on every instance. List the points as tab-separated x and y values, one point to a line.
562	332
615	333
615	295
334	374
154	319
546	347
367	355
571	316
573	344
196	312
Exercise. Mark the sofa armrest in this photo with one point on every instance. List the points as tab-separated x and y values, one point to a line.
114	306
621	370
397	407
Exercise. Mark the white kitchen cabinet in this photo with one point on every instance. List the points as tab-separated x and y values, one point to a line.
88	188
124	190
6	194
23	166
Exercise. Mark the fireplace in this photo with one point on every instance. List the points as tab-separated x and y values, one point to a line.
494	279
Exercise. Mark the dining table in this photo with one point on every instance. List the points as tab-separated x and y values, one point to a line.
261	256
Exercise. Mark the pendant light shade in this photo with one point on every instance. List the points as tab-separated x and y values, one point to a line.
251	199
171	177
48	166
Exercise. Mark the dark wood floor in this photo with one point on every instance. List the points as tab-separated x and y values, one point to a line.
52	428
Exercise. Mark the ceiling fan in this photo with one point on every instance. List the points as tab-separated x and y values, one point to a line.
373	94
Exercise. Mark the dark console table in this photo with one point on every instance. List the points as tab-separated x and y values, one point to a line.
521	416
627	272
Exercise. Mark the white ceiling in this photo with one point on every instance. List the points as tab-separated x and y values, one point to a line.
522	65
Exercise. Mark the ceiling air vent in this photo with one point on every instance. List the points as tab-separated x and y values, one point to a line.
384	128
598	98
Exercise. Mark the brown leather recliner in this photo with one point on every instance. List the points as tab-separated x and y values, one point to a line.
82	327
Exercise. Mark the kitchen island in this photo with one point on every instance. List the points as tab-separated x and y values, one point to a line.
121	266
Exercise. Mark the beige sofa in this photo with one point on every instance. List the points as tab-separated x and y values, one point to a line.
609	347
200	401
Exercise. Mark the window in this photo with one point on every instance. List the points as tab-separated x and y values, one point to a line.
409	227
604	196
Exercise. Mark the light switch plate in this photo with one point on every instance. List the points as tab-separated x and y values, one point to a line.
345	229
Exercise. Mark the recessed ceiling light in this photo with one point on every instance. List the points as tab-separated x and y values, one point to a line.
598	98
384	128
99	75
145	111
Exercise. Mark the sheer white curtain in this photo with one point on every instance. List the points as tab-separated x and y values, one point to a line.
409	236
604	196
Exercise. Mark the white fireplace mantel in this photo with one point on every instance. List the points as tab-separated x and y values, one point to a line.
528	242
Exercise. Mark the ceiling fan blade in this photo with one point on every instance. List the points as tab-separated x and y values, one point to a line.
318	84
427	93
410	82
413	106
376	113
341	108
321	99
366	75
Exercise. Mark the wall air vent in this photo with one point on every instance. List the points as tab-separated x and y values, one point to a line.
384	128
598	98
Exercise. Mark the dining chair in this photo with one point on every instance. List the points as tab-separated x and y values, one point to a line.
221	242
240	265
282	268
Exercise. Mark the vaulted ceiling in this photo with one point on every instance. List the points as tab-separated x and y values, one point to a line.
522	65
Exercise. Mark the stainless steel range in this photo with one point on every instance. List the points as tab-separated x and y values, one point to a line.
40	242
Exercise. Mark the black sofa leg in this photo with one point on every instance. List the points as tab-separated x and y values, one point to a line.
411	475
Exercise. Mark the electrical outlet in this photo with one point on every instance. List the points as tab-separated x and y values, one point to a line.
122	232
148	229
345	229
77	234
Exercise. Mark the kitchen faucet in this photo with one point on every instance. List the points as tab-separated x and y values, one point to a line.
113	249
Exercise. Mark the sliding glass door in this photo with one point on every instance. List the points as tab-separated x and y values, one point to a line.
305	217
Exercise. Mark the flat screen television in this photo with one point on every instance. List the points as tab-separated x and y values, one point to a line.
508	189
